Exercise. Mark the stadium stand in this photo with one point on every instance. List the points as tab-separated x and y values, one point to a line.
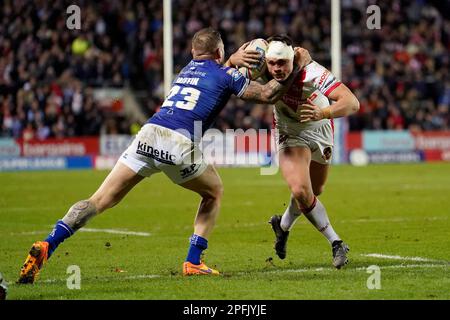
400	73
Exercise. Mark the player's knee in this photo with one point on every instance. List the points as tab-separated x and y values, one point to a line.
217	191
299	191
302	193
214	192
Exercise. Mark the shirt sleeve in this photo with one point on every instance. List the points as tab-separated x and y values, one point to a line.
236	81
322	79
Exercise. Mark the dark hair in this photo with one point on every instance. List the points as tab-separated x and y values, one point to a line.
281	37
206	40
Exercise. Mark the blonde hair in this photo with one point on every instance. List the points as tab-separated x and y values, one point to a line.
206	41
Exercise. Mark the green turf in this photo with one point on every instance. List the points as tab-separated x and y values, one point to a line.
386	209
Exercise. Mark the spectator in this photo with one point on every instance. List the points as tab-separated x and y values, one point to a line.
400	73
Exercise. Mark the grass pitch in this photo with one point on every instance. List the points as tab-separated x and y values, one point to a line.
392	216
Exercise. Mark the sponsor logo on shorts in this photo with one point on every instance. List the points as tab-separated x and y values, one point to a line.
327	153
189	171
157	154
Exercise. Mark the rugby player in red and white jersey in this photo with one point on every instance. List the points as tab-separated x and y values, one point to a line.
304	119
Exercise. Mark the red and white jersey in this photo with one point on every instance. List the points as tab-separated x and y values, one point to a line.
314	82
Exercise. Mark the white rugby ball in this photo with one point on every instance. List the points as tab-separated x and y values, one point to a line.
256	71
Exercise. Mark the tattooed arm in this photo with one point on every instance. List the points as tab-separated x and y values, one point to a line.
270	92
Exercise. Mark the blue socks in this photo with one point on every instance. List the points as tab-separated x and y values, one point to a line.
198	244
60	232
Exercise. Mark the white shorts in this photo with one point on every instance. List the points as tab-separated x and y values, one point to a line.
319	140
157	149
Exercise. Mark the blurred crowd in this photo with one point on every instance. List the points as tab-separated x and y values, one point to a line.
48	72
400	73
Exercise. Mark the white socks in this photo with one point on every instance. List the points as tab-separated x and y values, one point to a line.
290	215
319	218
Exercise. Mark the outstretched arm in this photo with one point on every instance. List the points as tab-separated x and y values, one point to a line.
270	92
267	93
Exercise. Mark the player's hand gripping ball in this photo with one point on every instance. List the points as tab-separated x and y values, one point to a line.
254	71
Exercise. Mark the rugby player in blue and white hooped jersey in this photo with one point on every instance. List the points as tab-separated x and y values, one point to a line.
166	143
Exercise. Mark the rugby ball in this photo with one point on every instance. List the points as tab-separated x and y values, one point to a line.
256	71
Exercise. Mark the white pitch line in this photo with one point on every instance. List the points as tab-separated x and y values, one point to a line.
403	266
291	270
28	233
136	277
28	209
144	276
395	219
51	280
330	269
396	266
113	231
384	256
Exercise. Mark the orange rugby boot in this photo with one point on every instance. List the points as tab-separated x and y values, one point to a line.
190	269
34	262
